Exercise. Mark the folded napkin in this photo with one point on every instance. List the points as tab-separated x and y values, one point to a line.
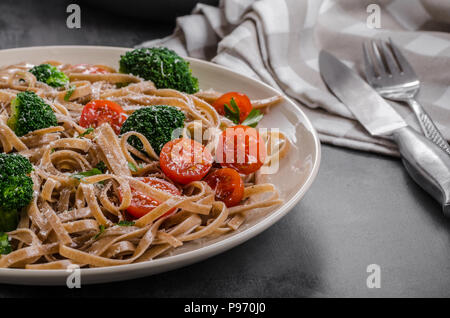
278	41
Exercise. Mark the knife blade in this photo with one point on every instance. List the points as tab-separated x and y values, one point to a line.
371	110
426	163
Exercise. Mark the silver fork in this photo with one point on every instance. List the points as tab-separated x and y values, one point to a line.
391	75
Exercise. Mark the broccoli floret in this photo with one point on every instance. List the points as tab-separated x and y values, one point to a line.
29	112
156	123
49	75
14	165
164	67
9	219
5	245
15	191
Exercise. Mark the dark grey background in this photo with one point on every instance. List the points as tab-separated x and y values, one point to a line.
362	209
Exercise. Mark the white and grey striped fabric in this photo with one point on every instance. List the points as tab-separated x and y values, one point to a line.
277	41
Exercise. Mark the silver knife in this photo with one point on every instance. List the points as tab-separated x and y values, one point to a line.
427	164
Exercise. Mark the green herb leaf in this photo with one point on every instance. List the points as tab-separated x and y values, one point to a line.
101	230
124	84
232	113
69	93
253	118
81	175
53	150
5	245
132	167
101	166
126	223
86	132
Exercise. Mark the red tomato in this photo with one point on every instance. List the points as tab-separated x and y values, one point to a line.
88	69
185	160
241	148
142	204
242	101
228	186
98	112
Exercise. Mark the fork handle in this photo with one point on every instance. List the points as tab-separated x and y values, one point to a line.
428	127
426	163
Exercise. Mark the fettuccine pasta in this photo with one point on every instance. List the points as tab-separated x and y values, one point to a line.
83	220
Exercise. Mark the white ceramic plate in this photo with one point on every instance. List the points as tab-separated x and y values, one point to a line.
295	175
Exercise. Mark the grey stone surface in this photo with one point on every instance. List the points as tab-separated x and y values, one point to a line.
363	209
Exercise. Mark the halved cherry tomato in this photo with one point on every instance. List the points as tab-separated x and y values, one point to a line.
241	148
185	160
87	69
242	101
98	112
142	204
228	186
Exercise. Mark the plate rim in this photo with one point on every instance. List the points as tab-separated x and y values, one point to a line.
198	254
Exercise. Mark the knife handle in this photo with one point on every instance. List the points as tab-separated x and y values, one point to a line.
426	163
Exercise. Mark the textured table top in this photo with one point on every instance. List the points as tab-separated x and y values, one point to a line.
363	209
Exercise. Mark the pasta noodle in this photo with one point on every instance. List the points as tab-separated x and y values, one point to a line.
71	221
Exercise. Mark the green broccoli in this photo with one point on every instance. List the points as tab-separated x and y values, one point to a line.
16	189
29	112
164	67
5	245
50	75
156	123
14	165
15	193
9	219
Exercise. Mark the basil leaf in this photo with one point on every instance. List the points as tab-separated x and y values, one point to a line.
101	230
232	113
126	223
253	118
69	93
86	132
81	175
132	167
124	84
101	166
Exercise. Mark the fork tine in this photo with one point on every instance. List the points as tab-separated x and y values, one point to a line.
402	61
369	68
389	58
378	59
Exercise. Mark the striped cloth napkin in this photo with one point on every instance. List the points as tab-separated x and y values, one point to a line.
277	41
